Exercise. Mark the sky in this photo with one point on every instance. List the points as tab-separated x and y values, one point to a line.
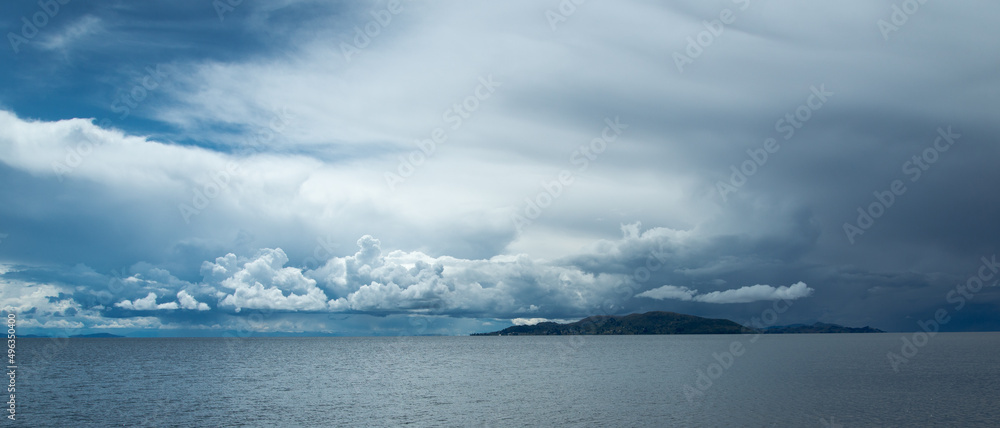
407	167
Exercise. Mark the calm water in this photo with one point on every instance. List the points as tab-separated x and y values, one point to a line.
791	380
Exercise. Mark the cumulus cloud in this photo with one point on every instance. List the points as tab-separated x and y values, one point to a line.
379	282
42	299
265	283
187	301
752	293
383	282
500	286
147	303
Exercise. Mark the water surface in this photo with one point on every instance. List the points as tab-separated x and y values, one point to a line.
779	380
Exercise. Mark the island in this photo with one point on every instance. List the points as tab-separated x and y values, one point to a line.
819	327
659	322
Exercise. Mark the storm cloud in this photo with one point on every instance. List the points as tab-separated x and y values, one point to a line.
318	167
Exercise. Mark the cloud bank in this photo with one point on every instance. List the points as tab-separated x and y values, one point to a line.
165	169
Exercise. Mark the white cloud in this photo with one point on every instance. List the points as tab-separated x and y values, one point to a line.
131	322
504	285
758	292
527	321
533	321
78	149
57	323
48	309
189	302
80	29
18	296
264	283
669	292
147	303
752	293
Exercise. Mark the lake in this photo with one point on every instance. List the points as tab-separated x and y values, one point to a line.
705	380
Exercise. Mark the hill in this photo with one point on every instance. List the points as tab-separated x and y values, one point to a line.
75	336
664	323
819	327
647	323
95	335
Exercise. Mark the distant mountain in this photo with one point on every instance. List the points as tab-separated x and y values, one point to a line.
95	335
819	327
664	323
647	323
91	335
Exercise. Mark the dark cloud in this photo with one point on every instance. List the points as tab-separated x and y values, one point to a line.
291	140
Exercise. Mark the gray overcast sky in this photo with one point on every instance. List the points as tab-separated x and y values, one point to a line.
450	167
